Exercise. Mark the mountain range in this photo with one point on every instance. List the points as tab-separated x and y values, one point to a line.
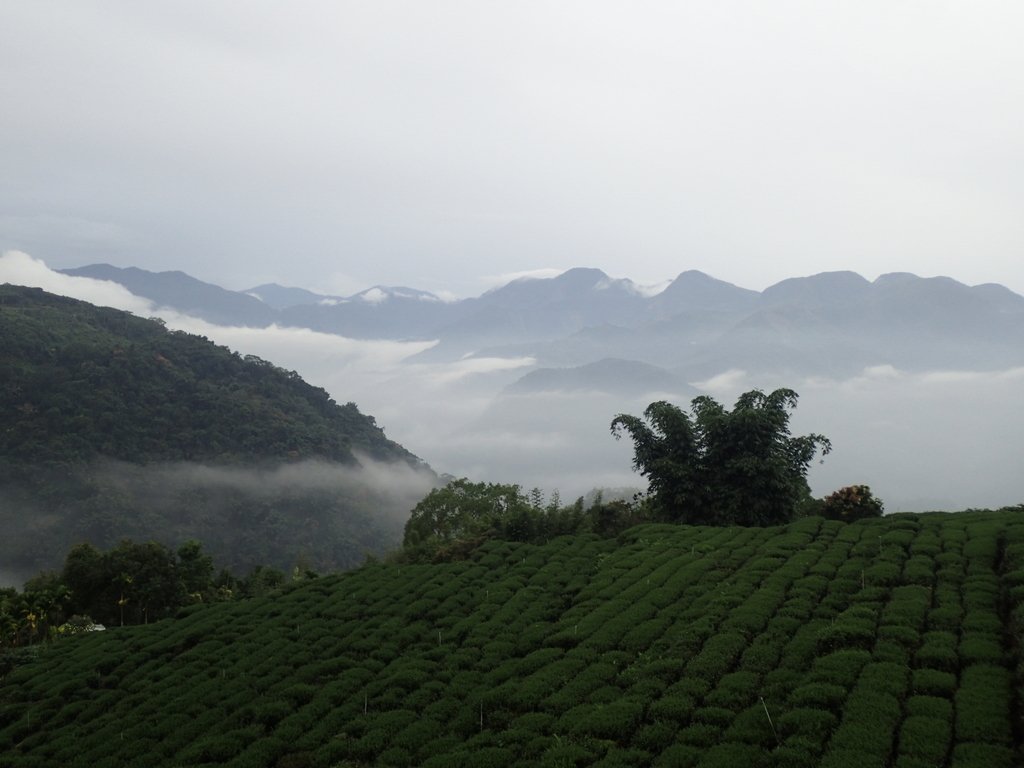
832	324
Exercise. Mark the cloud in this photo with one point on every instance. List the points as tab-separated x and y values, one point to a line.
881	373
727	381
954	377
415	143
652	289
448	373
19	268
319	356
397	482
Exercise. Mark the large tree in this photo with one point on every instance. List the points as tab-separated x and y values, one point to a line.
721	467
463	510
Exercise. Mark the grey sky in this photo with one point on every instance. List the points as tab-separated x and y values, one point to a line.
335	145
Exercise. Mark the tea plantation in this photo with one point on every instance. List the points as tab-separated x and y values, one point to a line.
886	642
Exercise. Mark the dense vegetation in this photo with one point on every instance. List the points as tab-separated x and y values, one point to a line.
132	583
890	641
81	382
722	467
90	395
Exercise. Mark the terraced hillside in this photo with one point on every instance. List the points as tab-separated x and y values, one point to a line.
890	642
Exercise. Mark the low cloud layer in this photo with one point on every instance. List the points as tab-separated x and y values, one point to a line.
325	515
399	482
935	440
940	440
396	486
19	268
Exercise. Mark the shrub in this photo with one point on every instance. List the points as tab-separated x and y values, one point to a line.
717	656
617	757
983	705
734	691
938	651
720	717
395	756
762	654
846	633
854	502
926	738
779	682
984	621
885	677
813	725
792	756
751	726
869	723
882	574
731	754
673	707
982	756
903	634
905	761
679	756
851	758
823	696
930	706
933	682
699	735
614	721
977	648
840	668
654	737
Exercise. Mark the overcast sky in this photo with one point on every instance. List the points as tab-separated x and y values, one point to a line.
337	145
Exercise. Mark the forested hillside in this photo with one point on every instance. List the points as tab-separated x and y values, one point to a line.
81	381
887	642
114	426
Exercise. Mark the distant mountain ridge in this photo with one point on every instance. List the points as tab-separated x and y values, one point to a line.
832	323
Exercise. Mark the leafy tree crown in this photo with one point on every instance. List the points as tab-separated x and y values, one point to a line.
721	467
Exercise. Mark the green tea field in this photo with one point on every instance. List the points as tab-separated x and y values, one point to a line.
886	642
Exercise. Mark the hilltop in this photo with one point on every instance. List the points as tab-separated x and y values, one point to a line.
115	426
887	642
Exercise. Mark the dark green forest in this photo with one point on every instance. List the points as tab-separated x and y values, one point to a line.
111	426
890	641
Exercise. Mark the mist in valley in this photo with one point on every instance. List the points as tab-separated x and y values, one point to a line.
938	440
320	515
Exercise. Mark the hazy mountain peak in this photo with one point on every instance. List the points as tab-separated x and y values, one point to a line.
890	279
583	277
908	281
283	296
824	287
185	293
575	282
696	290
694	276
610	375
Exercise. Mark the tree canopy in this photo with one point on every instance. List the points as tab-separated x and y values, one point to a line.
82	382
721	467
461	510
